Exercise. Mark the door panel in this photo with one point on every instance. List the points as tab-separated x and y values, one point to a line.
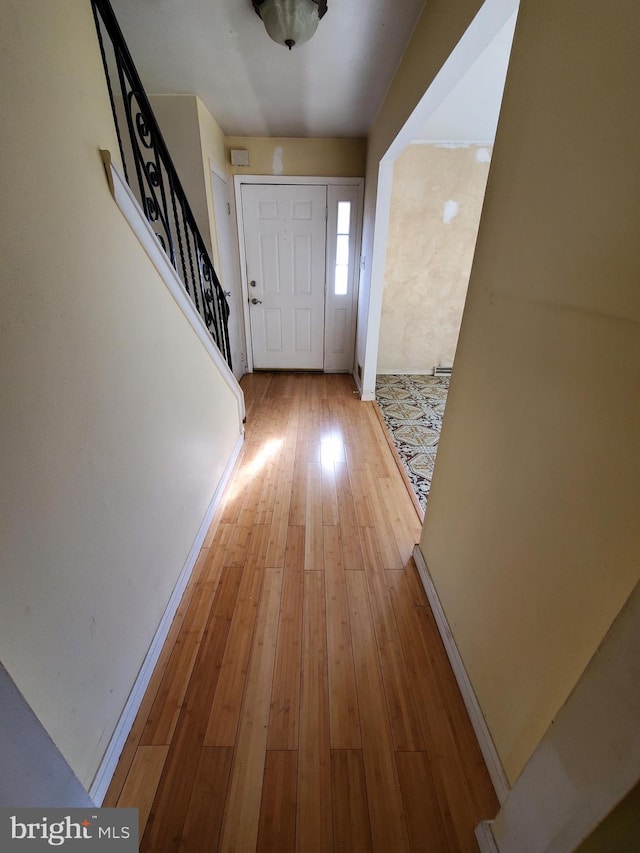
269	266
285	240
272	330
302	336
302	260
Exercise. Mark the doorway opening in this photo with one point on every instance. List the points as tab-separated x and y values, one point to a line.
430	193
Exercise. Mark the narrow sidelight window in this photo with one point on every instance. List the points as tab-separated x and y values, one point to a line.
342	248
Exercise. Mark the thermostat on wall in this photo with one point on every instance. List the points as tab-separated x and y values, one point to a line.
239	157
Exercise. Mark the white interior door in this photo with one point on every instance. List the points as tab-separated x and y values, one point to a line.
229	272
285	245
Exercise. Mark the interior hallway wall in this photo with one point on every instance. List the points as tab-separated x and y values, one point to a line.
116	426
179	120
212	152
196	143
435	212
587	766
334	158
531	532
620	831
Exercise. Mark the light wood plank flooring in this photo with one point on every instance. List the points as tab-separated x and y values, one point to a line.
303	700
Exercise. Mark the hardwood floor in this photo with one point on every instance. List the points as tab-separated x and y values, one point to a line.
303	700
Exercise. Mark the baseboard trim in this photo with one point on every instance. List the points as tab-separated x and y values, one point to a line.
485	741
485	839
365	396
108	765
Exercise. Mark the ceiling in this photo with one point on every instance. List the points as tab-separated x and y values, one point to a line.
218	49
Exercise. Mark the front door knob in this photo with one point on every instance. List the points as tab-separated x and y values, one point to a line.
255	301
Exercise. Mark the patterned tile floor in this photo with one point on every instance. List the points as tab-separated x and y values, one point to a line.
412	408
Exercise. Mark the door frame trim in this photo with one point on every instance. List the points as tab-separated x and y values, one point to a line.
286	180
214	171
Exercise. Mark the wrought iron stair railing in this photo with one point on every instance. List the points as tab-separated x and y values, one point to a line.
153	179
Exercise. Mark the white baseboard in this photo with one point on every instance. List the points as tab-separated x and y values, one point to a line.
111	757
365	396
485	839
485	741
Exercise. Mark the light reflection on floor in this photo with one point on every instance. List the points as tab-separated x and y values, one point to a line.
252	469
331	451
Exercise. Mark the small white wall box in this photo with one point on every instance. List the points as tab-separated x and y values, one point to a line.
239	157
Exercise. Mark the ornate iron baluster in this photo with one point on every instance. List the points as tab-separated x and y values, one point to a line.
188	236
159	190
109	87
174	207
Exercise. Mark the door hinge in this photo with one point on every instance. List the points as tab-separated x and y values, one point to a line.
326	212
228	208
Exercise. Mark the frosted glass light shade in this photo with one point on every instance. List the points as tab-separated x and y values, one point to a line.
290	22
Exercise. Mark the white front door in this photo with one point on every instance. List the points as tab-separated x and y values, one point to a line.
285	244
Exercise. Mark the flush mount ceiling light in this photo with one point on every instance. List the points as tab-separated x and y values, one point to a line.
290	22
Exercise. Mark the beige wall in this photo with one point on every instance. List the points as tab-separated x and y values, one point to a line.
435	212
620	831
196	144
532	532
179	120
116	426
213	155
335	158
587	761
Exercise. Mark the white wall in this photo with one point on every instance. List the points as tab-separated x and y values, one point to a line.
116	425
